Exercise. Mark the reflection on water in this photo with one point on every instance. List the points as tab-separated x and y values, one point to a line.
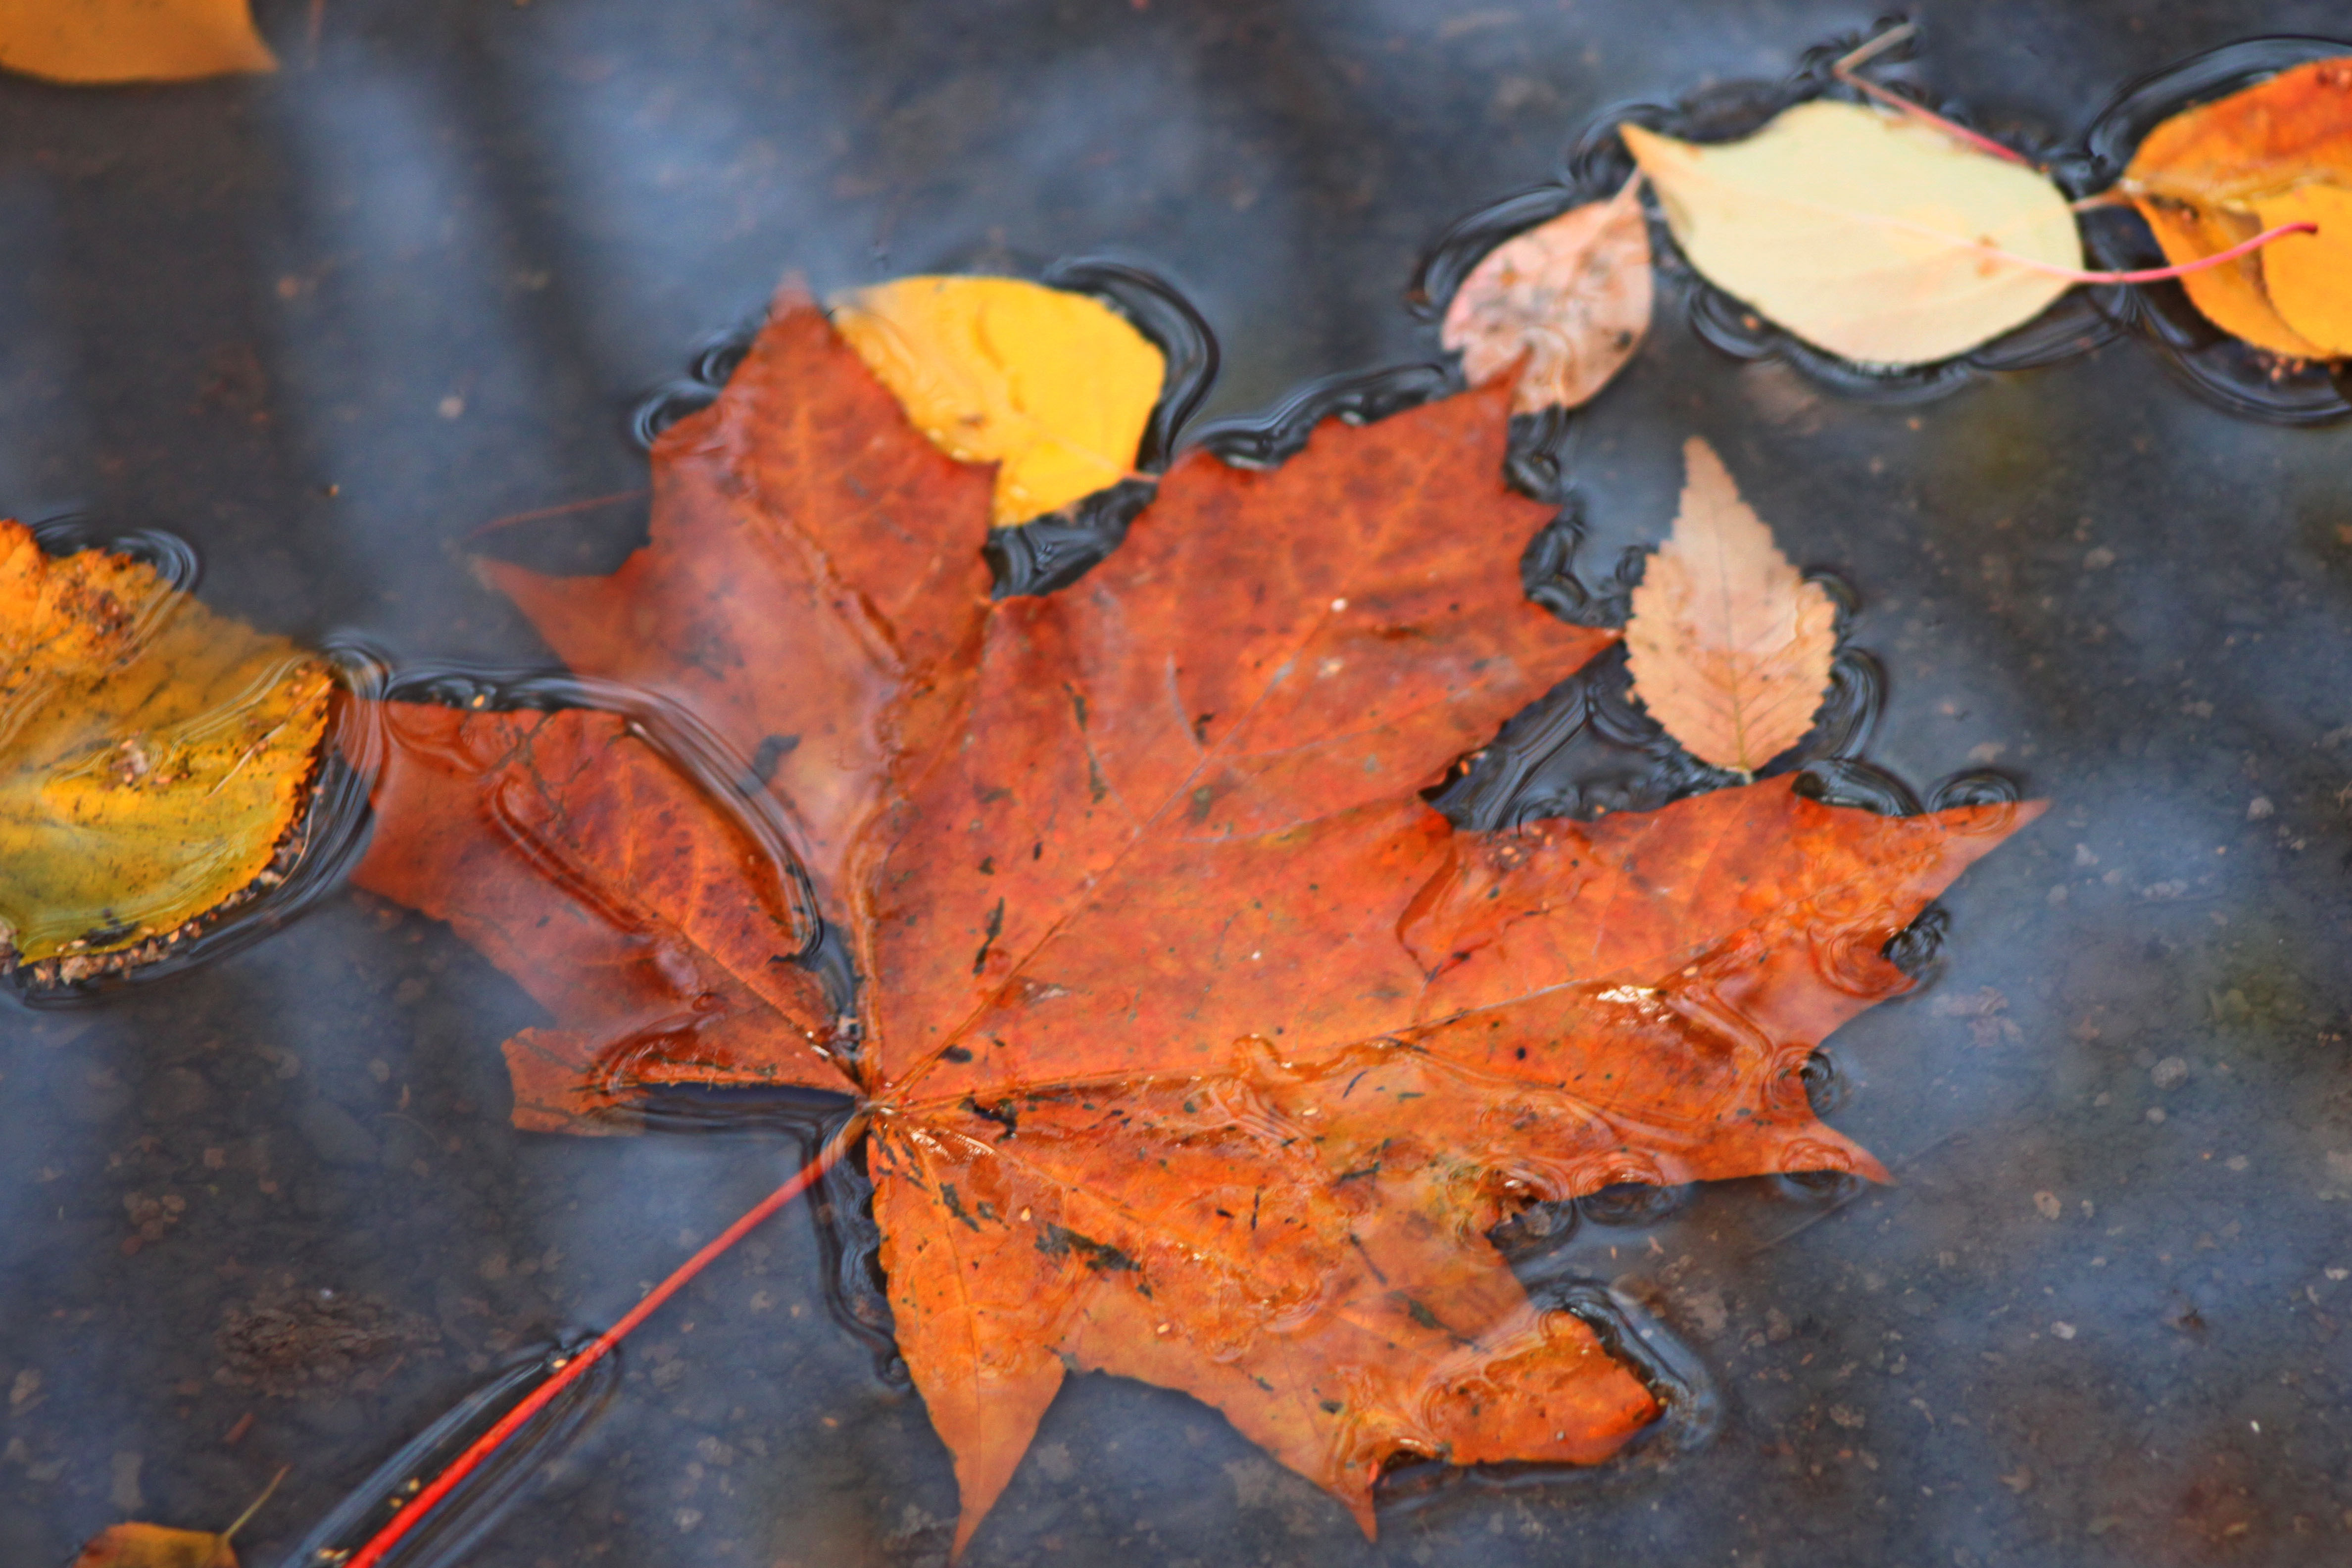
324	326
469	1514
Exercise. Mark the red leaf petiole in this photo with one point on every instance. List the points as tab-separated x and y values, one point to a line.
2154	274
396	1528
1844	70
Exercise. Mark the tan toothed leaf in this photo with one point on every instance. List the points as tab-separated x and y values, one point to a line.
1729	648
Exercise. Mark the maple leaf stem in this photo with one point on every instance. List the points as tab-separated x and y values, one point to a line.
1844	72
2152	274
382	1542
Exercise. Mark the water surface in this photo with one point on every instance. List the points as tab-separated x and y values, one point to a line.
323	326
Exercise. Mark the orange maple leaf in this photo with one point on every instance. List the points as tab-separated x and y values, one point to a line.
1193	1045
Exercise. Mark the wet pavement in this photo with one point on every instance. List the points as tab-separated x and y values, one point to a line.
323	326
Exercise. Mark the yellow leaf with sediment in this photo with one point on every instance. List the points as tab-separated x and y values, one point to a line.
97	42
1055	388
153	755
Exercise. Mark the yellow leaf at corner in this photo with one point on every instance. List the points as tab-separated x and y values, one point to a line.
1729	648
1869	235
154	1546
153	755
1056	388
95	42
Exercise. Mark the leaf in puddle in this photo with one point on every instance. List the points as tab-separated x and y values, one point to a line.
1196	1047
153	755
2216	175
1570	298
155	1546
1866	233
1055	388
159	1546
97	42
1728	646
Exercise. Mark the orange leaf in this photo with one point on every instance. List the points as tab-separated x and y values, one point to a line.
1729	648
2232	295
1570	298
643	917
1196	1047
807	584
96	42
158	1546
2215	175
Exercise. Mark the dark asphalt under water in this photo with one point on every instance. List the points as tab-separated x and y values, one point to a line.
322	326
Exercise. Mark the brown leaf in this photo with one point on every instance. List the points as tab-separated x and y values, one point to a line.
158	1546
1197	1047
1570	298
653	928
154	1546
1729	648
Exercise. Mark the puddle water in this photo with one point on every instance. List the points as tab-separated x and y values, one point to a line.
260	1205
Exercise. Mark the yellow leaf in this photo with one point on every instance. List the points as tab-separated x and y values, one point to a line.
1865	233
1570	298
1729	648
153	755
92	42
154	1546
1056	388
